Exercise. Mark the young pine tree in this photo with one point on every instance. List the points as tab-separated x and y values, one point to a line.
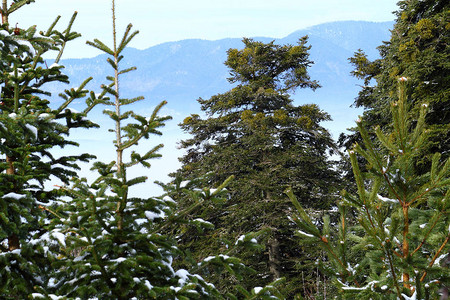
30	128
398	248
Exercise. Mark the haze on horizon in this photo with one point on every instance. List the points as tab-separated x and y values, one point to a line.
160	21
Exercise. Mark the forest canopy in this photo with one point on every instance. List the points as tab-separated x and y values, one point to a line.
265	205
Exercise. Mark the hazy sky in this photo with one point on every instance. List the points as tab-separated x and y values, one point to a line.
161	21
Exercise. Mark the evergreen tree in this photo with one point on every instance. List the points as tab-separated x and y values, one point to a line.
418	49
399	246
255	133
29	130
113	245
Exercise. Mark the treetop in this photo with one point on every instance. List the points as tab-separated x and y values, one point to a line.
278	67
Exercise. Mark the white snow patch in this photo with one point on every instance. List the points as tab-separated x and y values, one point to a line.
352	288
16	251
413	296
202	221
33	130
351	269
212	257
141	221
118	260
183	274
176	289
44	116
152	215
438	260
59	236
28	45
384	199
240	239
148	285
168	199
183	184
212	191
14	196
168	264
84	239
305	234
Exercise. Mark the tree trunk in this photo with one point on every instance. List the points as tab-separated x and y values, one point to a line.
4	10
405	249
13	240
274	258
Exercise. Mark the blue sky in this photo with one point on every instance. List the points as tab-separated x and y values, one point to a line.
162	21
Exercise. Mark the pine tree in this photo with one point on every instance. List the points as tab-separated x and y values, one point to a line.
418	49
255	133
398	248
29	130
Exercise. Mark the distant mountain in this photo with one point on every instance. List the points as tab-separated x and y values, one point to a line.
350	35
181	72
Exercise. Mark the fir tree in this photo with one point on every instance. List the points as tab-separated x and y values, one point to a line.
226	264
399	246
255	133
29	130
418	49
113	245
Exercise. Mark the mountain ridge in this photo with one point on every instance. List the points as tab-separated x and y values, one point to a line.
182	71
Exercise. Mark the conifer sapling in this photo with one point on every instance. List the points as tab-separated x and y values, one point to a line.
398	246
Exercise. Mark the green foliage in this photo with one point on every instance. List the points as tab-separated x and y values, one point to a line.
111	245
418	50
271	66
30	131
398	246
255	133
98	241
